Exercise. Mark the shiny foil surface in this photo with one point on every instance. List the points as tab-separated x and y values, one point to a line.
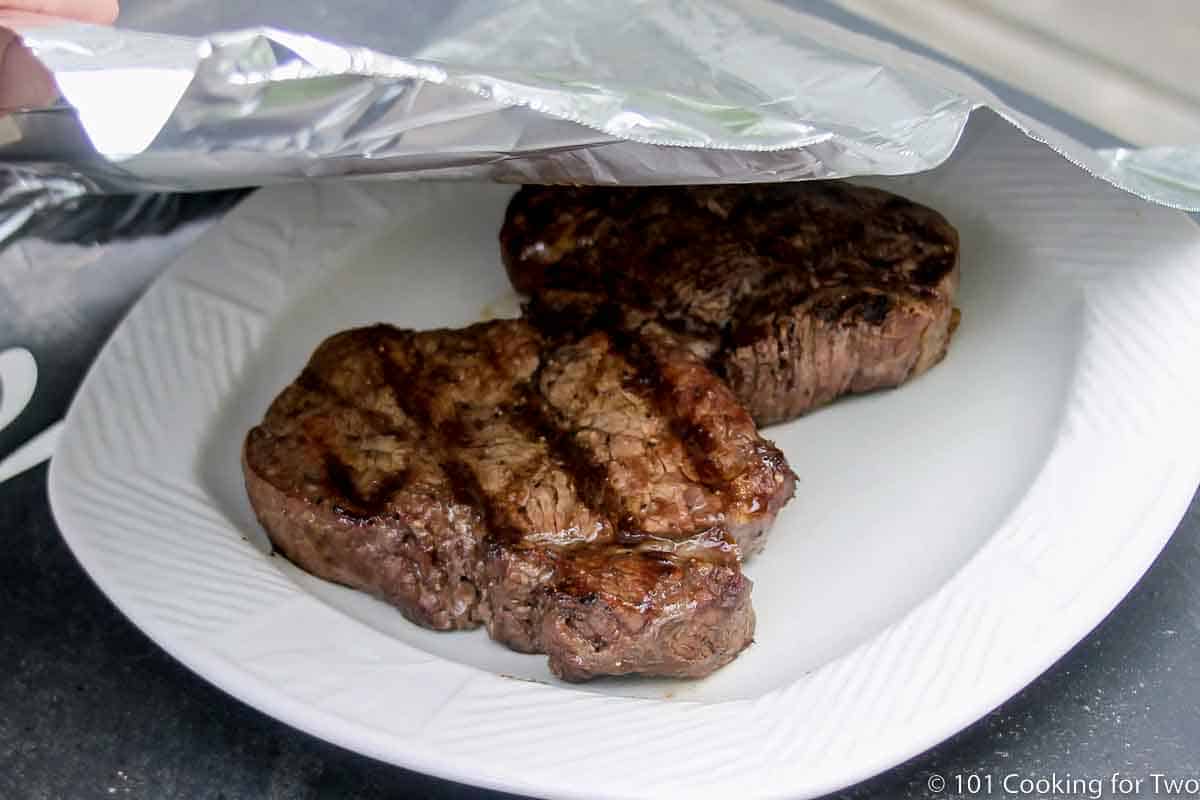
548	91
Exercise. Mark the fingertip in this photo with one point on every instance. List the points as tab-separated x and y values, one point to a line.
32	12
24	82
100	12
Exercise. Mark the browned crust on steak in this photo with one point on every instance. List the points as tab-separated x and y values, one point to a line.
352	496
795	293
487	475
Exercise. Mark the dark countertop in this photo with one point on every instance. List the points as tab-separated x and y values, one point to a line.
91	708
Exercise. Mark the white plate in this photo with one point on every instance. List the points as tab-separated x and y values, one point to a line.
948	541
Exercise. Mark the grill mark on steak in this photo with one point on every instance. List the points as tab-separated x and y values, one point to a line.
448	434
357	504
719	436
625	330
648	382
379	337
590	477
652	488
867	277
700	441
530	416
835	235
826	258
419	553
647	379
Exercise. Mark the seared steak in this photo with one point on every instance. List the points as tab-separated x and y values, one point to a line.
589	497
795	293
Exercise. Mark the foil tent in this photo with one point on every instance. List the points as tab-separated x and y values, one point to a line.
550	91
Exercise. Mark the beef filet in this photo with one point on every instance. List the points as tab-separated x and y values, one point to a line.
795	293
589	497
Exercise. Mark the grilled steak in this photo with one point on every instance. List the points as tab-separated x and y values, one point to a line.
795	293
589	497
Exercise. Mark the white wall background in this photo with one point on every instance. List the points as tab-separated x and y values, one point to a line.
1131	67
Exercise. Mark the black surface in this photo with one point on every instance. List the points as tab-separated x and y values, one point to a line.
98	219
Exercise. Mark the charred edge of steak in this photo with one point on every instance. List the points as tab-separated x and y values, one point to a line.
707	618
861	279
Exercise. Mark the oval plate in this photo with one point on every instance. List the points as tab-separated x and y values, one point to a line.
947	543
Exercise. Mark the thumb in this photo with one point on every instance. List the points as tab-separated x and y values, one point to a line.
24	82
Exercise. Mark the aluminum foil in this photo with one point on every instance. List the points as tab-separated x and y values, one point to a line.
551	91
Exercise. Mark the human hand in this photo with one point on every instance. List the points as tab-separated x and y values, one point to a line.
24	82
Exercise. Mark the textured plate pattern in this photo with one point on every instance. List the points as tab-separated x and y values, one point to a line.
127	492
